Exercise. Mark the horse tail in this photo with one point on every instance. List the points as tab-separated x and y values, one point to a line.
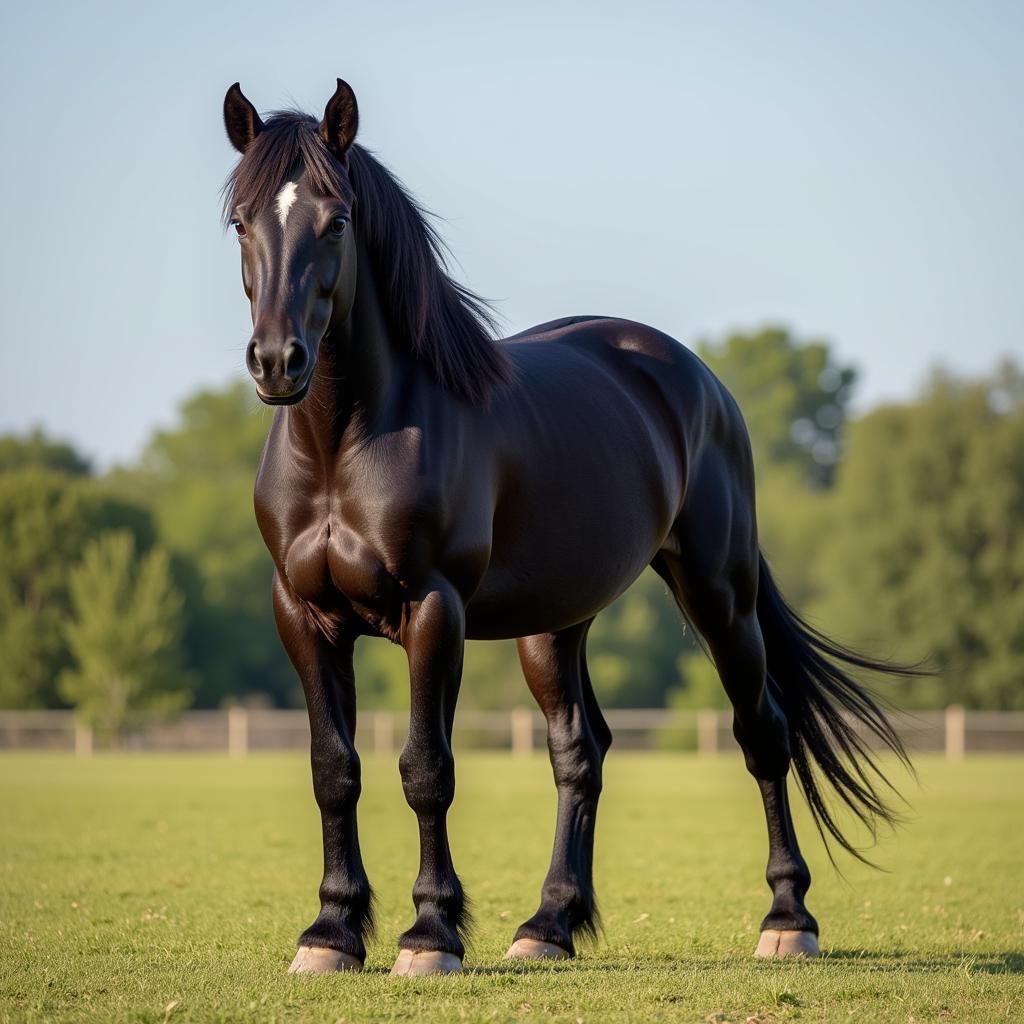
831	716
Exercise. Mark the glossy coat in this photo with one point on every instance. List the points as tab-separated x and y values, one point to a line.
425	485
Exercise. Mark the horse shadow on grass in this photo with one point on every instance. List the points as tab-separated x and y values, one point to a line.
1010	962
878	960
1007	962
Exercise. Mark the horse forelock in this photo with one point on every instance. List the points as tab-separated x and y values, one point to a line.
288	143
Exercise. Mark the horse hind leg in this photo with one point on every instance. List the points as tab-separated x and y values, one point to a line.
711	568
578	738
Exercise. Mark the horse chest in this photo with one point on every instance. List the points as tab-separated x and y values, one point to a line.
328	560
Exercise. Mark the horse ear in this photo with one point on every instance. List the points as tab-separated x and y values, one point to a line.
341	120
240	119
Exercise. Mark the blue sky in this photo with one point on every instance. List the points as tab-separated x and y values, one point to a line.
851	170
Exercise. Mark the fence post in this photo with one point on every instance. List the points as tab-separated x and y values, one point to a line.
956	732
238	732
707	732
83	739
383	732
522	731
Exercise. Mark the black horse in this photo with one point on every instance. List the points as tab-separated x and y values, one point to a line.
425	484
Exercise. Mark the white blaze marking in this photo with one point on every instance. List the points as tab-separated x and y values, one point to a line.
285	198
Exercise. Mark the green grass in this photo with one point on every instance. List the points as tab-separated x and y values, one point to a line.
146	888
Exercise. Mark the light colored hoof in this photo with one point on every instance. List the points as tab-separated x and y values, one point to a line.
775	944
316	960
534	949
421	963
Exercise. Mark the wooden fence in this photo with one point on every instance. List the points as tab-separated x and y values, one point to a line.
240	731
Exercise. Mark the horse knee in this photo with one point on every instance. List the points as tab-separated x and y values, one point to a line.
428	777
337	775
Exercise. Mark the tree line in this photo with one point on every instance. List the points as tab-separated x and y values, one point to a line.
145	589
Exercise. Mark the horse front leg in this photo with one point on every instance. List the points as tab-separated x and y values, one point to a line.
434	638
335	940
578	738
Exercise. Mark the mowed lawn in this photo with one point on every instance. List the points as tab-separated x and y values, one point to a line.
171	888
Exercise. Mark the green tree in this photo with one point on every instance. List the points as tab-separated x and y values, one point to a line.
636	644
36	449
198	479
793	396
124	635
46	520
925	556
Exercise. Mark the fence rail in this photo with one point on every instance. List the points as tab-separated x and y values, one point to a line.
240	731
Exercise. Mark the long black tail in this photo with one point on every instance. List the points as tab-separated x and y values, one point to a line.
825	706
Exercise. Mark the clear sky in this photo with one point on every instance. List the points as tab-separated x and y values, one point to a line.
852	170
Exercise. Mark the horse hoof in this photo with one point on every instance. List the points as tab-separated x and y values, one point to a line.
534	949
774	944
421	963
317	960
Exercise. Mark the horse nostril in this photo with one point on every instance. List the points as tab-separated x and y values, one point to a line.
295	359
252	360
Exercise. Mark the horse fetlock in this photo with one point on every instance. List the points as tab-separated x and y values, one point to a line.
433	932
328	932
567	910
347	900
547	926
788	913
788	876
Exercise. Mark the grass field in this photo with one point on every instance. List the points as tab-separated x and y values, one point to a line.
146	888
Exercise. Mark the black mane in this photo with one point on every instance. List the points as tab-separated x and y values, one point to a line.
446	324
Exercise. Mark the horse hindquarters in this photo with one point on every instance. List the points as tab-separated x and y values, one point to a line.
792	695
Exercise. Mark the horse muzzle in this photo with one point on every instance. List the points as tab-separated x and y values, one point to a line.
282	371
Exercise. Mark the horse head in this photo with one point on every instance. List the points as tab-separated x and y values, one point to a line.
290	203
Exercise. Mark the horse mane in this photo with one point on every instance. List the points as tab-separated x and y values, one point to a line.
447	325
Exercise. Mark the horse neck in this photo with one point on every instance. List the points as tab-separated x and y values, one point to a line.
359	367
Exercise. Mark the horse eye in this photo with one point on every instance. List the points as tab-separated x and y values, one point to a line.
338	225
239	228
